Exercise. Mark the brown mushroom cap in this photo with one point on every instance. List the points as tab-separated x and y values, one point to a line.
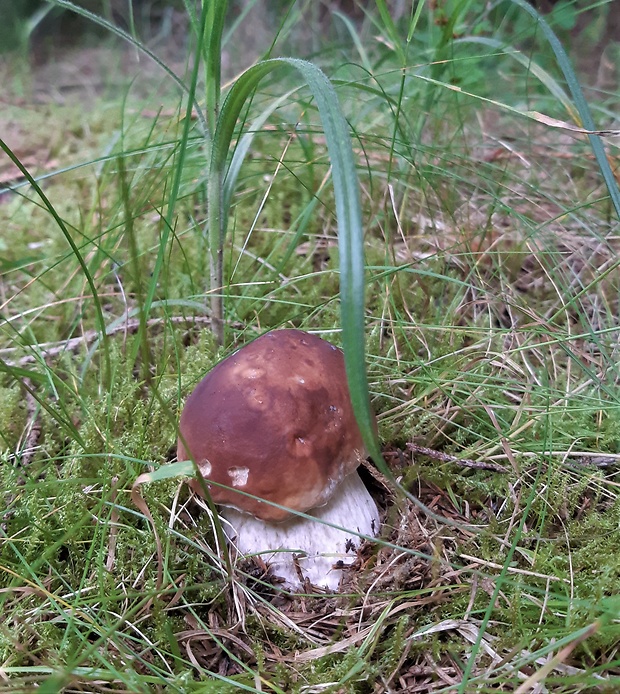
274	420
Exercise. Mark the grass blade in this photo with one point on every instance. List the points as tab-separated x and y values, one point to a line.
76	252
587	121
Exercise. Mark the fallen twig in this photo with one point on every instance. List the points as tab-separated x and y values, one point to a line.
445	458
51	349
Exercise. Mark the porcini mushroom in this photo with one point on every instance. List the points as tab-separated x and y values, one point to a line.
275	420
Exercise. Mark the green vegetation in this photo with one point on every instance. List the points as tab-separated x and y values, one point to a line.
488	179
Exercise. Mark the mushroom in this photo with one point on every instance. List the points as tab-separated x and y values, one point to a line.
275	420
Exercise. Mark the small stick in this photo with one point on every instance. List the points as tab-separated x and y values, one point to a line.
51	349
445	458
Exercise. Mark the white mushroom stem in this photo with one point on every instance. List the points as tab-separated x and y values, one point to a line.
318	547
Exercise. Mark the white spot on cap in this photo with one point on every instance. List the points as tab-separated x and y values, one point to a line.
239	476
300	379
205	468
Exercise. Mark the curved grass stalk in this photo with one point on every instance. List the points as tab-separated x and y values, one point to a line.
348	213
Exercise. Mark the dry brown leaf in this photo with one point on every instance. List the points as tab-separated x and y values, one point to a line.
563	125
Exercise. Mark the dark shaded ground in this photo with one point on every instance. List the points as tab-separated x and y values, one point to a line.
66	53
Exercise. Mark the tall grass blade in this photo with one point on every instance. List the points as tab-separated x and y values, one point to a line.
587	121
176	184
391	30
212	29
348	213
107	370
543	76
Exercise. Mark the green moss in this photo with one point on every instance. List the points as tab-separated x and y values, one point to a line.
12	416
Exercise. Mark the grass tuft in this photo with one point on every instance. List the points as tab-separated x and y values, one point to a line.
489	270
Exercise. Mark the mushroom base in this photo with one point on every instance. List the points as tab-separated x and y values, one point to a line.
304	549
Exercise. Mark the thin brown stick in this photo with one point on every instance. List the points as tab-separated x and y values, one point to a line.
32	440
114	518
51	349
445	458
